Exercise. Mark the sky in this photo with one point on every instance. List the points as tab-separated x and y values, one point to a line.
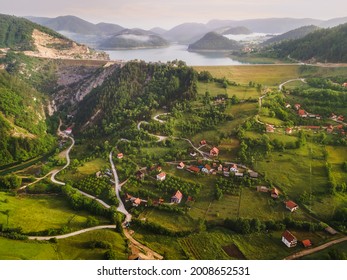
169	13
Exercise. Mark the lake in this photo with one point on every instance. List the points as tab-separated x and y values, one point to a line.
174	52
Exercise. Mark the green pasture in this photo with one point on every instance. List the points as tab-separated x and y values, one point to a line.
41	212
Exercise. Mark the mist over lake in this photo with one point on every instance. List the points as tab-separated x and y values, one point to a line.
173	52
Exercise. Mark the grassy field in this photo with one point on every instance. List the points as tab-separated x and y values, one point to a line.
88	168
241	92
270	75
171	221
37	213
73	248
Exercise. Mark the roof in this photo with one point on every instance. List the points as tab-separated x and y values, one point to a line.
194	168
161	175
120	155
288	236
291	204
306	243
178	195
215	150
208	167
181	164
137	201
301	112
203	142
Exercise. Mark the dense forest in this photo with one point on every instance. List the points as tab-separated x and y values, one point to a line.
22	121
214	41
16	33
132	93
324	45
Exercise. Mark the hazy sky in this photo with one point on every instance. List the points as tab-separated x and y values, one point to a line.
168	13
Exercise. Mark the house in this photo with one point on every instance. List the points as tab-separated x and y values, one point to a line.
253	174
203	142
177	197
318	117
289	130
205	170
270	128
289	239
297	106
181	165
306	243
68	131
193	154
262	189
98	174
234	168
344	84
274	193
330	128
194	169
214	152
340	118
208	167
291	206
302	113
136	202
333	117
140	175
288	105
220	168
226	173
120	155
161	176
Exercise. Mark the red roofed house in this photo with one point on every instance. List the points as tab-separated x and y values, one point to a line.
68	131
193	168
330	128
161	176
340	118
270	128
203	142
297	106
137	202
306	243
120	155
302	113
289	130
274	193
177	197
289	239
344	84
181	165
214	152
291	206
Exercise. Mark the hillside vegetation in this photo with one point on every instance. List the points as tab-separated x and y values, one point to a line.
325	45
16	33
214	41
22	121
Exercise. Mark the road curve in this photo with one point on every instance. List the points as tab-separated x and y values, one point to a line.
292	80
121	207
67	162
71	233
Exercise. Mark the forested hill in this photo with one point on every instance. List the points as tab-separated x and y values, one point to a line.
214	41
22	121
16	33
324	45
132	93
292	35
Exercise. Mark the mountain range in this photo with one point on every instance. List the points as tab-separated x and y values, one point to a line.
186	33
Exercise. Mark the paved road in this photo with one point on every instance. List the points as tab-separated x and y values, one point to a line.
71	233
292	80
160	138
316	249
158	120
121	207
